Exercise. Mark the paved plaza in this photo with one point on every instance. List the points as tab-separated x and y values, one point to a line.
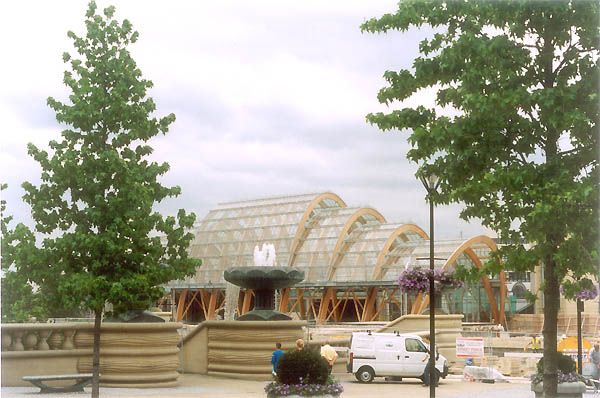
199	386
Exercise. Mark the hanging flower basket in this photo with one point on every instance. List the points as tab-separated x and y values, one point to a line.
416	280
583	289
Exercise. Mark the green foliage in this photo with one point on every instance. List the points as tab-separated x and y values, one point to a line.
513	134
566	364
305	366
520	145
530	297
93	210
21	300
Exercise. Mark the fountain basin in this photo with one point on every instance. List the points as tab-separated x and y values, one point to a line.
258	277
263	281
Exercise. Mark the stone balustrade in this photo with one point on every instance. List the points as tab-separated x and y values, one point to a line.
39	336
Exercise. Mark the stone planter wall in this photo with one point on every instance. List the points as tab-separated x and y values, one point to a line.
131	354
237	349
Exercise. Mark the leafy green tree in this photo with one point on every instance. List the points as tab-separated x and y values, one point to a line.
94	206
20	301
27	292
514	135
23	298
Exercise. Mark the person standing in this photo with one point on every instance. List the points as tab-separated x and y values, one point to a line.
299	345
276	356
330	355
595	359
535	344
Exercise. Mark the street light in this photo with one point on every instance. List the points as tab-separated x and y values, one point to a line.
579	342
431	183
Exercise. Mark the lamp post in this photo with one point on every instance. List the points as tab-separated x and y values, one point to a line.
431	183
579	342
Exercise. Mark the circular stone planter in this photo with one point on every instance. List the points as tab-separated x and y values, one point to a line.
565	390
134	354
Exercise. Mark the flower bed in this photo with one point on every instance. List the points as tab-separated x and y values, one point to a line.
571	377
570	384
331	388
303	373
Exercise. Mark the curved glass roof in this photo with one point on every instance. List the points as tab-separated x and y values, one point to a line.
319	234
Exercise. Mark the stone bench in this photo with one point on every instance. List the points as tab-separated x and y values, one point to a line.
81	380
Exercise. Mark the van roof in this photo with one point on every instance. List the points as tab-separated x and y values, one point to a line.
410	335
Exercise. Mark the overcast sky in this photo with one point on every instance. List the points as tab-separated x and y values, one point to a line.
270	99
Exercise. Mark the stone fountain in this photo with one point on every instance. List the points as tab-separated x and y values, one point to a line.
263	278
228	348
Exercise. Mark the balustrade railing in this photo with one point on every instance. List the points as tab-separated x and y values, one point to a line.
40	336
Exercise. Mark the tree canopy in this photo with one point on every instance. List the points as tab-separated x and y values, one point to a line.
20	300
99	238
514	131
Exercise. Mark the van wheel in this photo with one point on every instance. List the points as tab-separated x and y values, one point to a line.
365	375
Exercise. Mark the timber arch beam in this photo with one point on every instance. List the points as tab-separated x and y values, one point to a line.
301	231
341	245
399	232
466	248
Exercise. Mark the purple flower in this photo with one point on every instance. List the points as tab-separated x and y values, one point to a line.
275	389
416	280
581	290
587	294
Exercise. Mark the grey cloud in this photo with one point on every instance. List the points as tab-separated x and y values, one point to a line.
228	144
32	109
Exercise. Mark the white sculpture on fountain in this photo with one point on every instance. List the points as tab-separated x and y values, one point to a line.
265	257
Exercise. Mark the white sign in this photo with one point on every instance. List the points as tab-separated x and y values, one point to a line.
469	347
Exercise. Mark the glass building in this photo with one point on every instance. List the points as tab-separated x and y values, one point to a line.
351	257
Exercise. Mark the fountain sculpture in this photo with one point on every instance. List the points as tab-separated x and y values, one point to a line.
263	278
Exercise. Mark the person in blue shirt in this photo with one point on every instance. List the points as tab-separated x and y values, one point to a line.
277	354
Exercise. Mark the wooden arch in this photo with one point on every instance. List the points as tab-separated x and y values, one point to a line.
466	247
399	232
301	231
341	245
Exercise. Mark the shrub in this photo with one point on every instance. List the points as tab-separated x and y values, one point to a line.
566	364
302	367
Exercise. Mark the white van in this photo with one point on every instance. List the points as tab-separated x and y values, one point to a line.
391	355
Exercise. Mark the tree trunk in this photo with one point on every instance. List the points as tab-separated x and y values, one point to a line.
96	355
551	303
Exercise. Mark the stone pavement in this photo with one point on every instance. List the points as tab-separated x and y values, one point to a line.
199	386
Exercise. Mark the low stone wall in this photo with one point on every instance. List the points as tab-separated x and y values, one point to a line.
566	323
448	328
237	349
131	354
